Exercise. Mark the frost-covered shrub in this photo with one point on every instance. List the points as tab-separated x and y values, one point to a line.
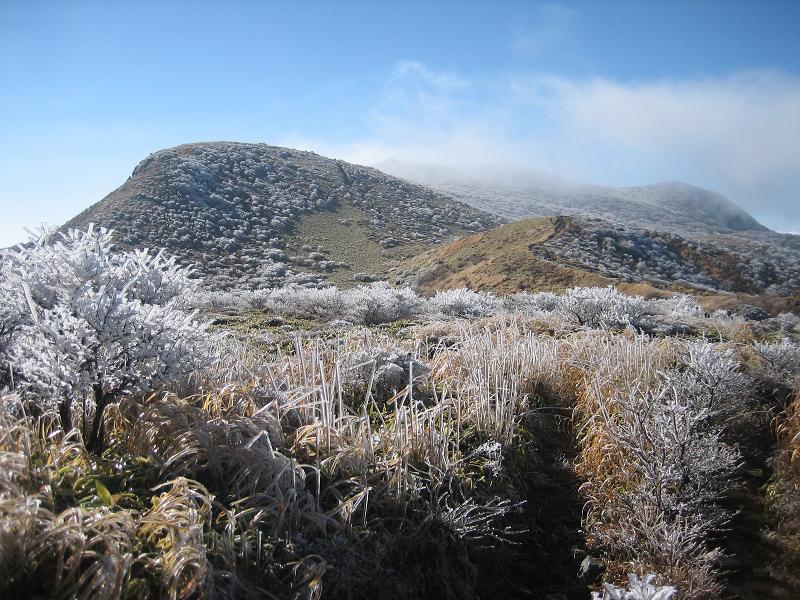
531	304
601	307
323	303
688	467
492	453
724	315
366	305
711	380
480	524
380	303
666	432
462	302
382	370
223	301
95	325
788	321
679	307
638	589
781	361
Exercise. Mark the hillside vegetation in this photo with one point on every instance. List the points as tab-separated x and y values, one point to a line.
323	443
555	253
232	211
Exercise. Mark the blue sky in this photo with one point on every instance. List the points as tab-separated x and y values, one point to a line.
619	93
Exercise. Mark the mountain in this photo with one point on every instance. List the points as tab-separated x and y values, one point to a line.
252	215
518	194
554	253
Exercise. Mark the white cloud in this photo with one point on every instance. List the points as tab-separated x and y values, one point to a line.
746	127
738	134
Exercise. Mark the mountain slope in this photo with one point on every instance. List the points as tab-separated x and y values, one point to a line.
252	215
553	253
517	194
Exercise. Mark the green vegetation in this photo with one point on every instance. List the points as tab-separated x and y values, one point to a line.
346	237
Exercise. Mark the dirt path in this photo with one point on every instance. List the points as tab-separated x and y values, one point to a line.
545	564
760	566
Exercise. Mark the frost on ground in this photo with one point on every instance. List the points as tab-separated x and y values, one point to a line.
385	445
740	263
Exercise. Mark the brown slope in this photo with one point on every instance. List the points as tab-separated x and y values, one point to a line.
498	260
554	253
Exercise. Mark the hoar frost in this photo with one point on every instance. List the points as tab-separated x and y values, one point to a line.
84	325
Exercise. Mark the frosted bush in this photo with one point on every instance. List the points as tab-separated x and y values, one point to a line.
782	361
601	307
638	589
323	303
788	321
724	315
686	469
710	379
380	303
367	305
465	303
480	524
94	325
675	463
492	452
531	304
224	301
258	299
679	307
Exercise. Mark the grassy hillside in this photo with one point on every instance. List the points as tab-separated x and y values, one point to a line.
443	458
342	235
555	253
369	442
497	260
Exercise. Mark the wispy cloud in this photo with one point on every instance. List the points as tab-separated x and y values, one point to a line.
739	134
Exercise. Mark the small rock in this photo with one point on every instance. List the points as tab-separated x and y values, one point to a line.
591	570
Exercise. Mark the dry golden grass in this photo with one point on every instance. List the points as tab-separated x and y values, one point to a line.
498	260
279	473
786	479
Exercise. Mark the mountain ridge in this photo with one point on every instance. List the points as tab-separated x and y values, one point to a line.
516	193
232	209
257	216
556	253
